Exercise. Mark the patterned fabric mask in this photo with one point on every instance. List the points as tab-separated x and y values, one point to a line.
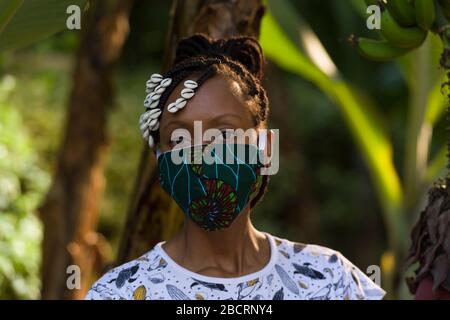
211	183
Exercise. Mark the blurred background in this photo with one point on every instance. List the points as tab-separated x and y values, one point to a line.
360	141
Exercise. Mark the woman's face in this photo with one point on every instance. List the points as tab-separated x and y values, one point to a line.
218	104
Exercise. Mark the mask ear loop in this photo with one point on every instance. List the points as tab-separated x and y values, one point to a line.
262	145
262	139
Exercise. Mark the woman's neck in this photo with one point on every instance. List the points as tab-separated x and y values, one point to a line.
238	250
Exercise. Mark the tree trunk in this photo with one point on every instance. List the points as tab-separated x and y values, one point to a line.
152	215
70	209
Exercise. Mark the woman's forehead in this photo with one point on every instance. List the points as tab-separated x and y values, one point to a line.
216	97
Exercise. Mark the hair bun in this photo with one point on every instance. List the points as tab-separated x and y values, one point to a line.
245	50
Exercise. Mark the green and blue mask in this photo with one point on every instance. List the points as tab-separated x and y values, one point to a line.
212	183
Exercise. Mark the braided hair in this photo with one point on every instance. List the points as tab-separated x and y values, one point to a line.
239	58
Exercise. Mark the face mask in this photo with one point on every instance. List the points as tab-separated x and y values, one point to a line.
211	183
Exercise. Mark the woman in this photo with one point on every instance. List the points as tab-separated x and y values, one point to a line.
218	254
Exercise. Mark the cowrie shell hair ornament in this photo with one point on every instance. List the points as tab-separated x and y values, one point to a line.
156	78
155	87
191	84
166	82
187	93
148	121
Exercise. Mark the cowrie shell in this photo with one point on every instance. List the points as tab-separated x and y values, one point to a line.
154	96
143	117
142	120
172	107
187	93
143	126
180	103
151	122
154	104
150	85
159	89
154	115
155	127
191	84
146	134
149	114
156	78
151	141
148	96
166	82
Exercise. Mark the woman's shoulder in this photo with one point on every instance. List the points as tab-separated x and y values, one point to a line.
123	282
325	269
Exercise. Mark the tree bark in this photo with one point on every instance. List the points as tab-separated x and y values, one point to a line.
152	216
70	209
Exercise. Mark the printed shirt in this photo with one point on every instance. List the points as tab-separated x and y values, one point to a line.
295	271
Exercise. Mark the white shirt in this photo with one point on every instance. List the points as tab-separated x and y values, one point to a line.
295	271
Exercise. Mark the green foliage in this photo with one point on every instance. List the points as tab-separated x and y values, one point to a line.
22	184
25	22
362	121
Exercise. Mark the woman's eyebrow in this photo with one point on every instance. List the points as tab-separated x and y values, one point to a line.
183	124
178	123
227	115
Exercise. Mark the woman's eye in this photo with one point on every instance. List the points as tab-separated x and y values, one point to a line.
223	136
176	141
227	134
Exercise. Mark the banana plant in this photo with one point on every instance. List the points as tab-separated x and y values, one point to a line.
405	24
25	22
285	49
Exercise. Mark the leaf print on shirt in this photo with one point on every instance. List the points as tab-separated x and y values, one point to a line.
287	281
140	293
285	254
201	296
302	276
339	284
104	291
329	271
247	288
279	295
125	275
269	279
299	247
156	278
158	264
322	294
175	293
333	258
209	285
303	285
307	271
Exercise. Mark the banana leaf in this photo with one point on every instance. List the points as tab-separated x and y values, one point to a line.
23	22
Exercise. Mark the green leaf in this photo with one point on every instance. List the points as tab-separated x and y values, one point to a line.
437	102
8	9
33	21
